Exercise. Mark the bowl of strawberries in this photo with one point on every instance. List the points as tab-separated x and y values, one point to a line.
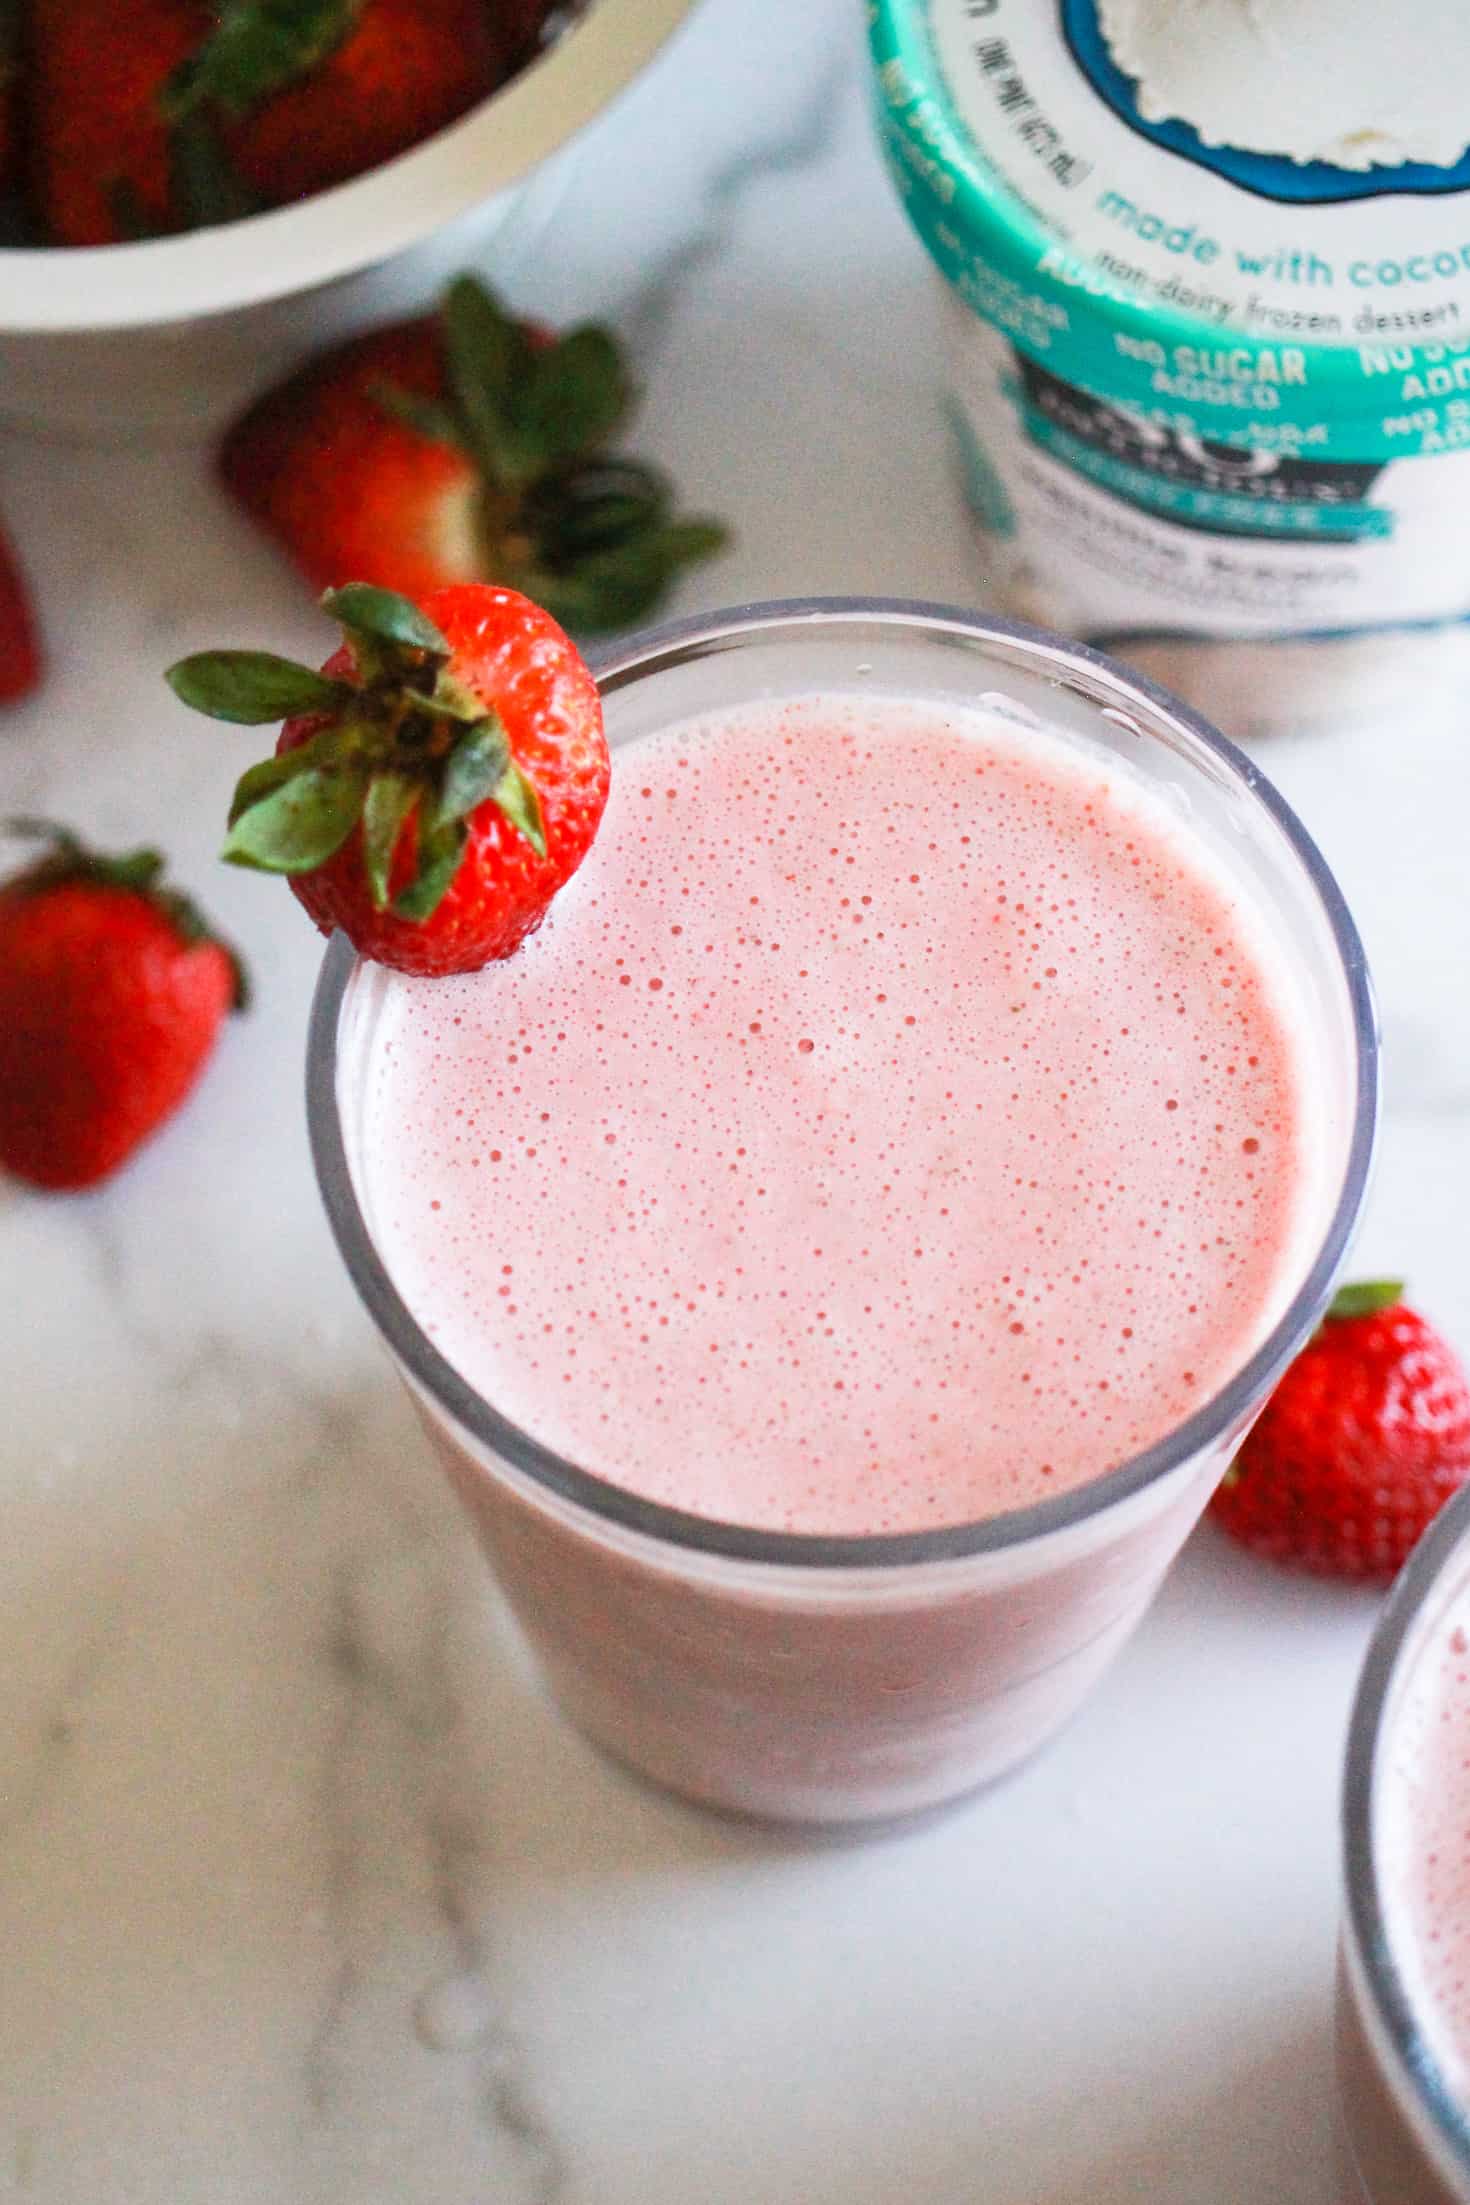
193	192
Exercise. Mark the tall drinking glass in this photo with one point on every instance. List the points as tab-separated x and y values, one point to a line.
841	1679
1405	2123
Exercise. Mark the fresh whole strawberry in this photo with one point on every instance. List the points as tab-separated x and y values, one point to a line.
10	94
20	644
100	154
405	69
433	786
469	447
112	990
165	115
524	26
1364	1439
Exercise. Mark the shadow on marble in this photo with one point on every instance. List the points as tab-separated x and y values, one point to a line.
1218	1580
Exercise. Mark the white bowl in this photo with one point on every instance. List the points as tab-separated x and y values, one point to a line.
174	334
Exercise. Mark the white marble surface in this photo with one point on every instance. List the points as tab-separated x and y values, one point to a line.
305	1894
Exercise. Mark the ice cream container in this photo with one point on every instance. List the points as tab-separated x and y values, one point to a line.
1211	398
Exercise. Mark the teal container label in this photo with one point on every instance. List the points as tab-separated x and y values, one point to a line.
1228	511
1198	482
1200	389
1336	325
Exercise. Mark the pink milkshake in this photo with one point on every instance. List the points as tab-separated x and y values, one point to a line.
1404	2010
898	1141
898	1120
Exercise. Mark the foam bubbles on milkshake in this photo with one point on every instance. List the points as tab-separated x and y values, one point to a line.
896	1121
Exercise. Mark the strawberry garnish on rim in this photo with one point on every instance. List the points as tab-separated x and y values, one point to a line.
1365	1438
435	783
465	447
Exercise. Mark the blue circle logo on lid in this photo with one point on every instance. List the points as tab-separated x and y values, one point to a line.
1269	175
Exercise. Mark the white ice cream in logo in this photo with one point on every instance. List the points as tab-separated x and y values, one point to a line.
1309	80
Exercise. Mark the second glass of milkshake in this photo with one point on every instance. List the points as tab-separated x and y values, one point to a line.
837	1256
1403	2007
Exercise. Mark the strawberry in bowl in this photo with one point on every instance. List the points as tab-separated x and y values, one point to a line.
9	95
434	784
170	115
201	281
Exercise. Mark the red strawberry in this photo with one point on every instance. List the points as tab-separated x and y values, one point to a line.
1365	1438
100	150
20	644
522	25
348	488
112	990
463	449
9	94
406	69
173	114
434	785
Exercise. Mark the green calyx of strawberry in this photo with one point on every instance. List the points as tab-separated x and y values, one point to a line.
1364	1299
256	49
400	740
594	539
140	872
204	189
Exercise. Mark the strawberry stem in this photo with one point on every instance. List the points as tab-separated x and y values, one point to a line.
256	48
251	687
1364	1299
593	538
400	739
385	617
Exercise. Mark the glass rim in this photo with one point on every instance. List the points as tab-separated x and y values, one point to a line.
1420	2073
656	649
